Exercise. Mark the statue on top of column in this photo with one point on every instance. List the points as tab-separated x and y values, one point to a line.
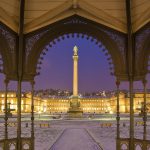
75	49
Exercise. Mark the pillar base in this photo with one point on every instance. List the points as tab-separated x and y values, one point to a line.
75	111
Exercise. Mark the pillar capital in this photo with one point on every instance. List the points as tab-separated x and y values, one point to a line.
75	57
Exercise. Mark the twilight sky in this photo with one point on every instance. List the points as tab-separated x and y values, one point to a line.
57	68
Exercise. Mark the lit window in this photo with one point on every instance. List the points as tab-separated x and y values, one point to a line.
2	108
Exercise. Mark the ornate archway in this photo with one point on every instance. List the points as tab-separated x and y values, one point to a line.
114	42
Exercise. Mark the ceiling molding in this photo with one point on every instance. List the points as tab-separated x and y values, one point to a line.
68	9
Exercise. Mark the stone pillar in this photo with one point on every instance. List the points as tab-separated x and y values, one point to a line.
75	71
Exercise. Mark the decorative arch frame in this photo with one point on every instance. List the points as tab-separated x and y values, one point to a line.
138	145
142	48
8	51
144	58
6	56
79	25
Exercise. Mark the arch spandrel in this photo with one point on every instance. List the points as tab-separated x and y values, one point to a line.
142	48
76	24
8	59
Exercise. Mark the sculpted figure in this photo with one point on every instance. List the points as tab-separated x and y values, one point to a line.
75	49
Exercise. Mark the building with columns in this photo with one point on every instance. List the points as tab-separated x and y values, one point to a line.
96	105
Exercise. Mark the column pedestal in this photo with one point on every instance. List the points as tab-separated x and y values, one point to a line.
75	111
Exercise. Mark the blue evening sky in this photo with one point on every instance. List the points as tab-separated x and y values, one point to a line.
57	68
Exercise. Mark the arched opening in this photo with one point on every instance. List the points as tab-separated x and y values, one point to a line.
82	28
124	147
85	61
57	65
138	147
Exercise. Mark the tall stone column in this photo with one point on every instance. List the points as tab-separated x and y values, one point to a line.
75	111
75	71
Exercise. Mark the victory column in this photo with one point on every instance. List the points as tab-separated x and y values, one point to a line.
75	111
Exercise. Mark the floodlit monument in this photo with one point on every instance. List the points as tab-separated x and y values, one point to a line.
75	111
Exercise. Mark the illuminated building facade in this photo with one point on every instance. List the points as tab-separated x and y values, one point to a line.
61	105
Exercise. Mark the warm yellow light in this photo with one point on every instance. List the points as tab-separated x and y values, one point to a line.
109	108
12	101
2	107
111	112
2	101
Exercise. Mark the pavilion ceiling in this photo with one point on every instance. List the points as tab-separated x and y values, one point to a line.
39	13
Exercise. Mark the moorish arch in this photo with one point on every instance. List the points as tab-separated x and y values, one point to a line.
83	28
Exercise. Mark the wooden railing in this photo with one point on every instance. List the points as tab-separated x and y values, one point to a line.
138	143
12	144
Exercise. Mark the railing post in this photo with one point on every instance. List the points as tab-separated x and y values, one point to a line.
118	117
32	115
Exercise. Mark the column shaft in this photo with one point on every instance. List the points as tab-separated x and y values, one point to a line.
131	114
6	114
19	116
118	117
75	75
32	115
145	111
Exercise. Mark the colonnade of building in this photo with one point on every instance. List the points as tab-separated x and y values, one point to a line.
61	105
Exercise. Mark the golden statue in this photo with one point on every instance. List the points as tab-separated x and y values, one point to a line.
75	49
